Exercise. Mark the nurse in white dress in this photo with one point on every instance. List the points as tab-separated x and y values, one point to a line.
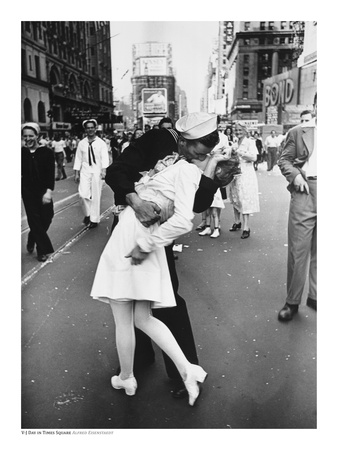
243	191
133	276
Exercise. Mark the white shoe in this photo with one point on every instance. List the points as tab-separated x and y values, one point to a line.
205	232
195	375
216	233
129	385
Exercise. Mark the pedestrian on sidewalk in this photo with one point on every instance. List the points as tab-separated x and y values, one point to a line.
271	145
59	145
298	163
37	185
91	161
259	145
243	191
142	155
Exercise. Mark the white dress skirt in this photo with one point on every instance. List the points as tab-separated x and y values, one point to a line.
243	190
218	200
116	278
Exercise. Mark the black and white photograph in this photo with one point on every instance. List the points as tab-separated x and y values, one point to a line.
168	229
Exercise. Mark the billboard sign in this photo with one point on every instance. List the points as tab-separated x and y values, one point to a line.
154	101
153	66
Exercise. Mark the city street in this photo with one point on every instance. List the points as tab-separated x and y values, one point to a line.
262	373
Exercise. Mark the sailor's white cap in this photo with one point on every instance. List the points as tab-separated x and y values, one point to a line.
196	125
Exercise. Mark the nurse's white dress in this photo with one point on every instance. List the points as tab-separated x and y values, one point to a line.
173	189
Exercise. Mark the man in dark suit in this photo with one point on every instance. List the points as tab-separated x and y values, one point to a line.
142	155
37	185
298	164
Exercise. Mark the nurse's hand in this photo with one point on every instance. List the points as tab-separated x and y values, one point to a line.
137	256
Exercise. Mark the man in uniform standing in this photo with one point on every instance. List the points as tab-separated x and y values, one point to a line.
91	161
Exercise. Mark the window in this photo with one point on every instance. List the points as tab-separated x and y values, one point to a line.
30	62
35	34
246	71
259	90
246	59
245	88
283	25
261	41
27	110
246	26
41	112
290	40
271	25
23	62
92	51
262	26
246	41
37	67
282	40
93	71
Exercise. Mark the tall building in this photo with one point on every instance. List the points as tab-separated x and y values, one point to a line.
66	74
153	82
256	51
287	94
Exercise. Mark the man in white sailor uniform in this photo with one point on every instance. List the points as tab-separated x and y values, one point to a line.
91	161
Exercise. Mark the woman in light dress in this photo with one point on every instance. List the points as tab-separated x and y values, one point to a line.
133	275
243	191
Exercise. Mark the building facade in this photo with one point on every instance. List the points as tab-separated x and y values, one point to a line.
256	51
153	83
66	74
287	94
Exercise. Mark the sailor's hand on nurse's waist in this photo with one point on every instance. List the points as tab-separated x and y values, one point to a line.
300	184
148	213
137	256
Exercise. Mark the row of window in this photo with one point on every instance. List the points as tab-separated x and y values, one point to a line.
264	70
270	26
30	68
28	111
269	40
62	38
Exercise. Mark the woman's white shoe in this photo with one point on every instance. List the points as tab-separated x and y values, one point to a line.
195	375
205	232
216	233
129	385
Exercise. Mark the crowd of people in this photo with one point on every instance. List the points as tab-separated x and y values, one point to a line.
161	178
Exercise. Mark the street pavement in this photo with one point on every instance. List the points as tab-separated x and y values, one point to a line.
262	373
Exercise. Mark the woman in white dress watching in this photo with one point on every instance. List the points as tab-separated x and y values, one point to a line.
243	190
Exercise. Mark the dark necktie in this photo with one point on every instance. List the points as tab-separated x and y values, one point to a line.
91	154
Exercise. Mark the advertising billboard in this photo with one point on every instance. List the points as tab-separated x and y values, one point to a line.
154	101
153	66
